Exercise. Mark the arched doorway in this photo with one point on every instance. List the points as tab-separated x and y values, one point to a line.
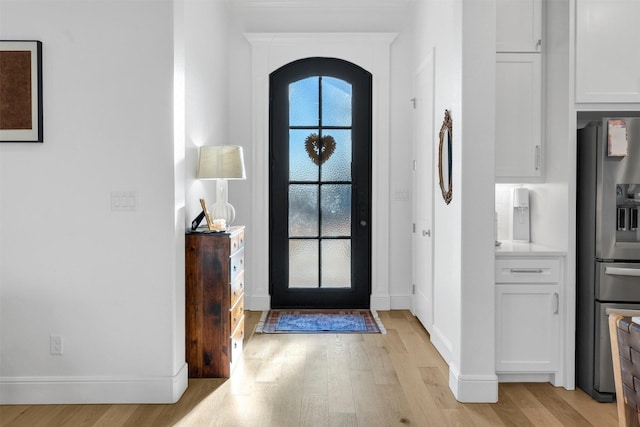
320	184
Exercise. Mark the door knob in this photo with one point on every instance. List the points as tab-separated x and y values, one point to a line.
426	233
363	223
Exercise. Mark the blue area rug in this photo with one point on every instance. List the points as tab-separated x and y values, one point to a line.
320	321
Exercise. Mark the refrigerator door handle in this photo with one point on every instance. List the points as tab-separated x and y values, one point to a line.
619	271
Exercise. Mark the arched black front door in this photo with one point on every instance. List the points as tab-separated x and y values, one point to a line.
320	185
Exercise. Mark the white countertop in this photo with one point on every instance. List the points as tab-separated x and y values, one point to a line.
508	248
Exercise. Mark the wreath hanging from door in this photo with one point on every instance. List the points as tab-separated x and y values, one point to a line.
319	149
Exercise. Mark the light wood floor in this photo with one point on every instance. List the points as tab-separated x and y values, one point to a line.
397	379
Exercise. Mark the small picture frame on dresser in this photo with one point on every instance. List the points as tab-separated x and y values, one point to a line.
203	203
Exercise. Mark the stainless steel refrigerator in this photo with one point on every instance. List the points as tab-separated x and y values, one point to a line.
608	243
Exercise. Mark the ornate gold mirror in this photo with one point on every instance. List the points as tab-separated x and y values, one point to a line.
444	158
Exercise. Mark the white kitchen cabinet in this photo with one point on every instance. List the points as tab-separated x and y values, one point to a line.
529	301
608	51
528	331
518	141
518	25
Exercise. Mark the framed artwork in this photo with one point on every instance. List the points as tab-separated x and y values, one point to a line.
20	91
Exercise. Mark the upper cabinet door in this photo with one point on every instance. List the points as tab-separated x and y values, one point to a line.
518	25
608	51
518	143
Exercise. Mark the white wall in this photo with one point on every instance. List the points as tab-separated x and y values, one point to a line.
460	34
107	282
432	26
206	95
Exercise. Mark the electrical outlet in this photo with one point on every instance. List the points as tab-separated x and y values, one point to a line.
55	345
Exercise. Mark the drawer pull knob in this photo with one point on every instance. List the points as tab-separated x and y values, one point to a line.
526	270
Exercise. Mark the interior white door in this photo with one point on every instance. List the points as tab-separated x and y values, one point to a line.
423	148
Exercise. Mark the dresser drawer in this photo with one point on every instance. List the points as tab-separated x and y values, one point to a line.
237	288
530	270
237	241
237	313
236	341
237	265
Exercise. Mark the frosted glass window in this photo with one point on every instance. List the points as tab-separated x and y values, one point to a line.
303	210
303	263
320	156
336	263
336	210
338	166
304	102
301	167
336	102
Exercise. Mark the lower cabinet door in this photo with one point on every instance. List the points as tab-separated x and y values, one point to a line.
527	328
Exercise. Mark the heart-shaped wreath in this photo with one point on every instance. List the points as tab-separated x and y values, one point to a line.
319	149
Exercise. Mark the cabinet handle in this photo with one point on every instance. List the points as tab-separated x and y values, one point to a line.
526	270
538	157
556	297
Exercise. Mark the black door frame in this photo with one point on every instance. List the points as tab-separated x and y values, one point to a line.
358	296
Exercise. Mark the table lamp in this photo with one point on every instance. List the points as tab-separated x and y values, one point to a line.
222	163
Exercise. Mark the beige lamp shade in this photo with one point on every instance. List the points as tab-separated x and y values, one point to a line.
221	162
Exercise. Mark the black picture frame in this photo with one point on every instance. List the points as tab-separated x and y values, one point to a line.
21	110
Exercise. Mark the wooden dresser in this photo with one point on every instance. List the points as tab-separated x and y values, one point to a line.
214	302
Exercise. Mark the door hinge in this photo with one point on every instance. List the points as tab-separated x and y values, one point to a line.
413	289
414	165
414	227
413	101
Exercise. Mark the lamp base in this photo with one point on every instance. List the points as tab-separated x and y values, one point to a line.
222	210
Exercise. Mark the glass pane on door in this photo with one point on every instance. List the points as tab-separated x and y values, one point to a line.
336	210
336	263
303	272
320	183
